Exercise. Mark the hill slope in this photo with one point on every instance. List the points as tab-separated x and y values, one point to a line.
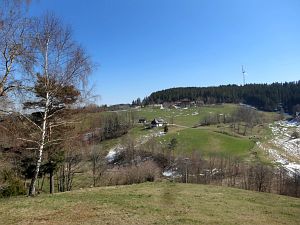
263	96
153	203
208	142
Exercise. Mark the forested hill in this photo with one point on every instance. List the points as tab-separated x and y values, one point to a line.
267	97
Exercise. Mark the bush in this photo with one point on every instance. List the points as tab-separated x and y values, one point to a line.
295	135
133	174
11	185
166	129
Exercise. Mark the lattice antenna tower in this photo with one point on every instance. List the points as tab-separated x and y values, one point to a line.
244	72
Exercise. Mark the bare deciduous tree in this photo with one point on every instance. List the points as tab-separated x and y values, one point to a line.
97	158
14	40
58	70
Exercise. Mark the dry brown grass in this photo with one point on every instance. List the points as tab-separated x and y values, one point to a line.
132	174
153	203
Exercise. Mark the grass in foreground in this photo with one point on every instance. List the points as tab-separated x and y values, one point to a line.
153	203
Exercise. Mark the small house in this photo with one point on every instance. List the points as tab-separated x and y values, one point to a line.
157	123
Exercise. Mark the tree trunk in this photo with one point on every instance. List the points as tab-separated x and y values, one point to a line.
36	173
44	127
94	172
41	149
43	179
51	182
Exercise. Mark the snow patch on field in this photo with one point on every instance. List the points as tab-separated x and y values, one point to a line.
116	150
171	173
286	149
113	153
282	138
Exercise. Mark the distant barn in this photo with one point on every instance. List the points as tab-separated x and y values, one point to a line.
157	123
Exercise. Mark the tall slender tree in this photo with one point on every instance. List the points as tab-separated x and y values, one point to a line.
58	70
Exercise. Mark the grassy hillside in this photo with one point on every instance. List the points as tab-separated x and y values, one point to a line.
185	117
207	139
153	203
209	142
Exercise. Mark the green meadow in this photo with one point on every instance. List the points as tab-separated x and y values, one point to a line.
208	142
216	139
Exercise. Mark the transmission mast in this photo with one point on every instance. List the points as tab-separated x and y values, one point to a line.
243	72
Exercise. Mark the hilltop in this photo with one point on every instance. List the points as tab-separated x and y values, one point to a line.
267	97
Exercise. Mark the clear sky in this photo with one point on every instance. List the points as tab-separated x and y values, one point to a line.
142	46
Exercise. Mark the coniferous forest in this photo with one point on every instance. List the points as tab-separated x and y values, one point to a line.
267	97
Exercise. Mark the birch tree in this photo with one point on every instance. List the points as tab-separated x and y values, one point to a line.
58	70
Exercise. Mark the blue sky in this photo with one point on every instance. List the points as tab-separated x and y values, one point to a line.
142	46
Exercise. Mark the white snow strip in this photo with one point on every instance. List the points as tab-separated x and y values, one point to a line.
290	148
113	152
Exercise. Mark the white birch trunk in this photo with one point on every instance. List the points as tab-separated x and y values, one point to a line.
41	148
44	128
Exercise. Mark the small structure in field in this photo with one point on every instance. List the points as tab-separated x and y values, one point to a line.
142	120
184	103
157	123
157	106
